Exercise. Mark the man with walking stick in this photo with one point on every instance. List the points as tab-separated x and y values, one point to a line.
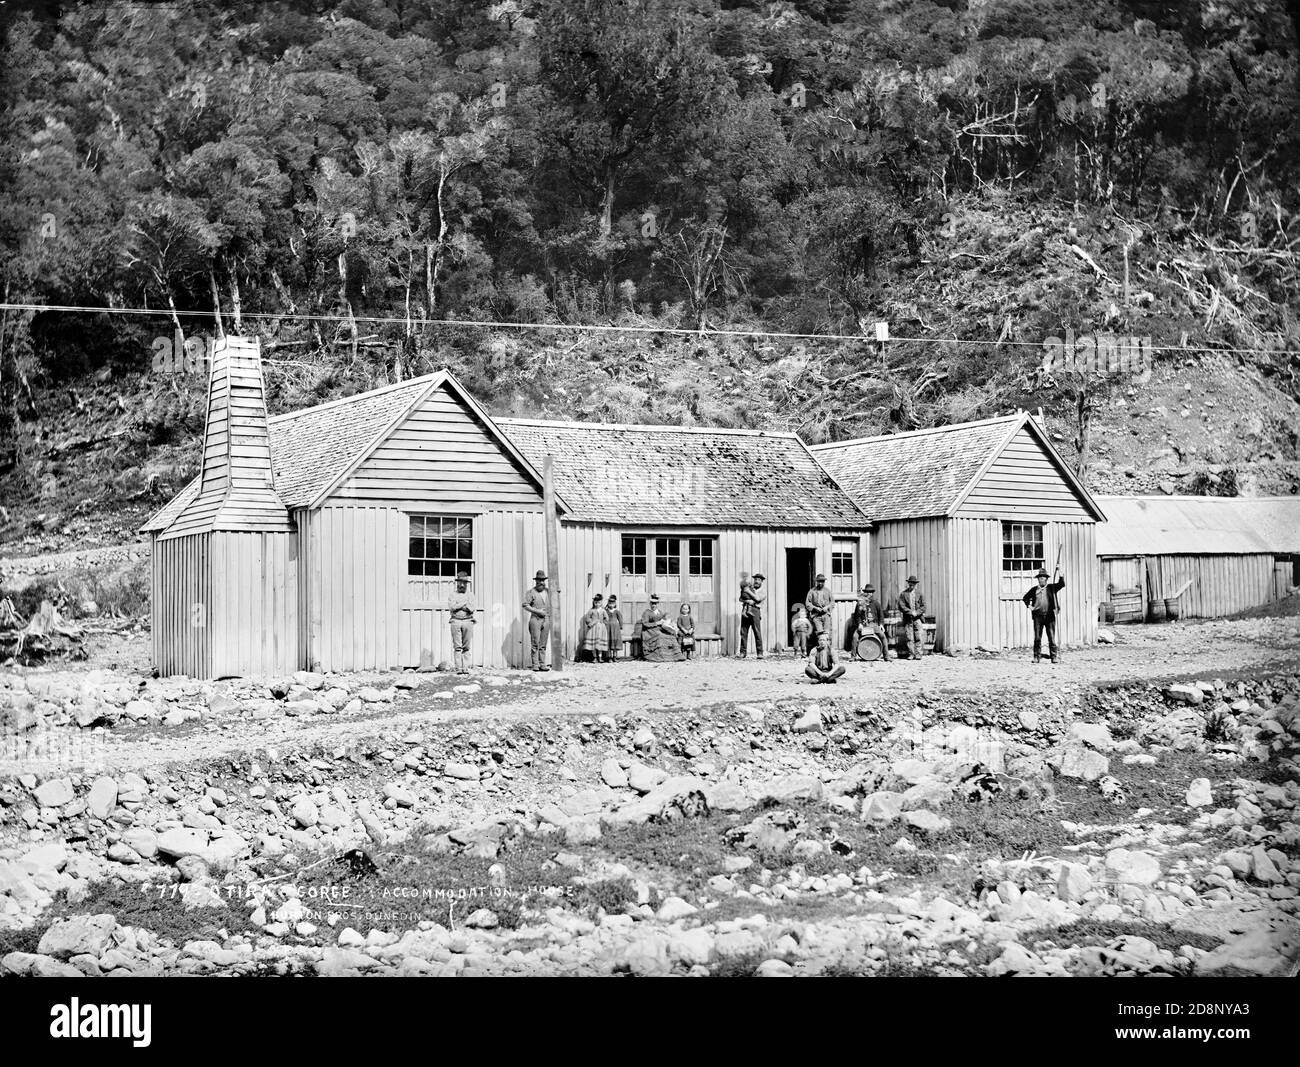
1042	600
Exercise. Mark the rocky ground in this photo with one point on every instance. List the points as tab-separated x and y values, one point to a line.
958	816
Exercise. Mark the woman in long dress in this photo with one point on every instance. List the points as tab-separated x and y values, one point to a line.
593	634
659	635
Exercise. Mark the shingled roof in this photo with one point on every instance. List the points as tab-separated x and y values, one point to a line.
919	474
641	475
633	475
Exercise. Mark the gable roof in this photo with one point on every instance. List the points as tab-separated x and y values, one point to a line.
928	473
636	475
1199	525
314	449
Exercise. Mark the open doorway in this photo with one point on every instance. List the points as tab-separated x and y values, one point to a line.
800	567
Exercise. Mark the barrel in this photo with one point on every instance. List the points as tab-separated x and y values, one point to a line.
1107	612
1172	610
1156	611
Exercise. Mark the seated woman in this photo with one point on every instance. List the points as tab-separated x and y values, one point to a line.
659	635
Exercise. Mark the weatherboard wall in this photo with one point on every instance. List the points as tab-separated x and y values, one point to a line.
181	584
1023	483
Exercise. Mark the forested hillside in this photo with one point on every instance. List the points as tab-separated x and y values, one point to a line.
380	188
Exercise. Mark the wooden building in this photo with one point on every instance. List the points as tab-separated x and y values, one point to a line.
329	537
1212	555
681	512
974	509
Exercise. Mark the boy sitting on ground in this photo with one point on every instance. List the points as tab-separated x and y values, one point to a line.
822	666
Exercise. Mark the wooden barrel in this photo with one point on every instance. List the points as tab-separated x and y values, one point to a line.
1172	610
869	647
1155	611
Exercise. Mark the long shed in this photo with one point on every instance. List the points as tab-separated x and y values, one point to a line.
974	509
1214	555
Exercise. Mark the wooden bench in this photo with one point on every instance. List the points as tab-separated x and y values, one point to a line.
707	646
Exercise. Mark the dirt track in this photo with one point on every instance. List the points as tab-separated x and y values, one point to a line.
1194	650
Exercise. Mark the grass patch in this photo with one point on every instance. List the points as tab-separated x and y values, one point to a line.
162	914
1090	932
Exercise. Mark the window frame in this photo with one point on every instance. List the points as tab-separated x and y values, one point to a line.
695	555
457	562
634	556
1013	538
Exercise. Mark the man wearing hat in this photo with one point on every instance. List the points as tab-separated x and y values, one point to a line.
911	605
751	614
1042	601
537	603
868	616
461	606
819	602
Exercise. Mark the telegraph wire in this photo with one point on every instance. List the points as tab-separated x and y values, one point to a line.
677	331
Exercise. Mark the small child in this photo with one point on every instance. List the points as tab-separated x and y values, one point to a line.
686	630
746	582
614	620
801	627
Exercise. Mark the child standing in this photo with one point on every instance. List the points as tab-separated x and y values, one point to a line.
686	629
614	625
801	627
594	630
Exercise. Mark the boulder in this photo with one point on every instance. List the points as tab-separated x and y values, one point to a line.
1075	761
102	798
1199	793
643	778
55	793
613	775
176	843
882	807
788	788
1073	883
1131	867
1185	694
79	934
929	821
466	772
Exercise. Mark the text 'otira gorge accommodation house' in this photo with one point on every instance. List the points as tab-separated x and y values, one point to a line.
329	538
973	510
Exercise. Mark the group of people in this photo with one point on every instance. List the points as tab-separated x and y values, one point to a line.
665	639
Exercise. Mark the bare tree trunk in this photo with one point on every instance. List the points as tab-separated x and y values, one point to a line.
433	252
216	302
607	205
236	302
1083	427
343	298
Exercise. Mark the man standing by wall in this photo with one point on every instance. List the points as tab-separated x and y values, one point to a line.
751	615
537	603
1042	601
819	602
911	605
461	606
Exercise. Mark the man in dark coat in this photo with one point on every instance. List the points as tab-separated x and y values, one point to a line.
869	616
911	605
1042	600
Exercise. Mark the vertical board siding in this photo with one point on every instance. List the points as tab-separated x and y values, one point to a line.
987	611
509	547
1022	483
182	582
353	555
925	544
253	615
1221	584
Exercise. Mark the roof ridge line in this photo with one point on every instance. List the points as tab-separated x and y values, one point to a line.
916	433
390	387
571	425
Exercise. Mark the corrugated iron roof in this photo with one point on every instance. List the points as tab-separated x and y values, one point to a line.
686	476
918	474
1198	525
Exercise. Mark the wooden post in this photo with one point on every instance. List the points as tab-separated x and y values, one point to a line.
553	563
